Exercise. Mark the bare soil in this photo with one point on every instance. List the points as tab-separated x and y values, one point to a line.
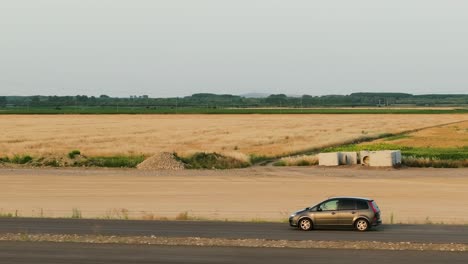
408	195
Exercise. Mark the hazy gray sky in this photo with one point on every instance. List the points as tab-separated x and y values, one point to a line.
179	47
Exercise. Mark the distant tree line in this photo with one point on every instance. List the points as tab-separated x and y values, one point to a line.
227	100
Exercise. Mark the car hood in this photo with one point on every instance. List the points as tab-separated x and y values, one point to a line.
300	211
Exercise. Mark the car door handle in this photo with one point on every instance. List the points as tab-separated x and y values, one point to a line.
353	212
333	213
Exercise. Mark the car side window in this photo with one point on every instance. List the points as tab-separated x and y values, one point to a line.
331	205
346	204
362	205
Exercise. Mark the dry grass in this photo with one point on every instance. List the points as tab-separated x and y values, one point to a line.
96	135
301	160
183	216
435	163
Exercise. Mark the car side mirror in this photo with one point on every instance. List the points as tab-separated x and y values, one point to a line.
319	209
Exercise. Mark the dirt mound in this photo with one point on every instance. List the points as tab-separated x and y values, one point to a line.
161	161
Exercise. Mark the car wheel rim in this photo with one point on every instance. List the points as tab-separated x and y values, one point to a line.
305	224
361	225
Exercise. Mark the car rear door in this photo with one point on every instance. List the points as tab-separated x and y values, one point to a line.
346	211
363	209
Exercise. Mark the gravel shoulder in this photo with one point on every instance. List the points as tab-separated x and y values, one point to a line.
220	242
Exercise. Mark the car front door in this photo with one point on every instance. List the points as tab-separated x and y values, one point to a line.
346	211
326	213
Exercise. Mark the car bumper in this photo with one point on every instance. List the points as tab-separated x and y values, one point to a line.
377	222
292	222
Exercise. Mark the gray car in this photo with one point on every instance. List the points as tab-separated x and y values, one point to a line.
357	212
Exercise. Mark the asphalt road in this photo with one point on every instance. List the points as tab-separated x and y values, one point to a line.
50	253
385	233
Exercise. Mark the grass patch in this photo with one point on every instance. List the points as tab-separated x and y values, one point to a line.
21	159
438	153
434	163
280	163
396	137
202	160
74	153
120	214
256	159
112	162
359	147
76	213
9	215
183	216
304	163
51	163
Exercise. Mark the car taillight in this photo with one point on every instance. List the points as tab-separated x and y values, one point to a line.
372	206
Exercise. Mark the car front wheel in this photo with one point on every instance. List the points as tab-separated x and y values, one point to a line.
305	224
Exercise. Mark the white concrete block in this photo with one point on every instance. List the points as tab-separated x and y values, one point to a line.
364	157
381	159
385	158
329	159
348	158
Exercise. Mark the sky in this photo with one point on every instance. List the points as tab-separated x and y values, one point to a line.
180	47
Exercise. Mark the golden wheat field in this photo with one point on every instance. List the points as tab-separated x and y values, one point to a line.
452	135
238	134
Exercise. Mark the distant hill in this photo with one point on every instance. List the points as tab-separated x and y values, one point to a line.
264	95
255	95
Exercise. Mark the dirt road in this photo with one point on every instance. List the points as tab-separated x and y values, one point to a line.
260	193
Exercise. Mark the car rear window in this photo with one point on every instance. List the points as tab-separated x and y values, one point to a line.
346	204
362	205
375	206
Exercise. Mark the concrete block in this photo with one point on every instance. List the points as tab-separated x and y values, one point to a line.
329	159
364	157
381	159
348	158
396	156
385	158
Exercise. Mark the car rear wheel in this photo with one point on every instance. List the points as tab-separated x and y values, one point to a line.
361	225
305	224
